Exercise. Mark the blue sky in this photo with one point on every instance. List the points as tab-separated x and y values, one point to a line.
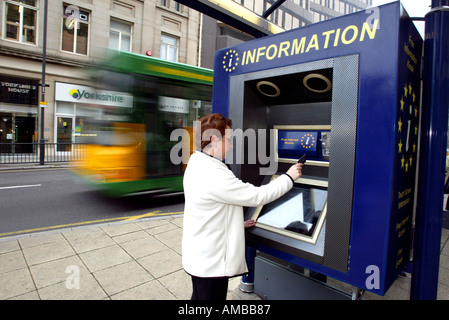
415	8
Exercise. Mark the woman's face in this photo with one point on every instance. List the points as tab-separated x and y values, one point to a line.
222	146
227	142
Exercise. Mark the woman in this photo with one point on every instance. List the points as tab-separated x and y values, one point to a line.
213	246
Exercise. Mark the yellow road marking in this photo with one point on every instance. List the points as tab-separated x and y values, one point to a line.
76	224
152	214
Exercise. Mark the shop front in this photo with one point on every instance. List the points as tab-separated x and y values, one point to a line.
18	114
76	106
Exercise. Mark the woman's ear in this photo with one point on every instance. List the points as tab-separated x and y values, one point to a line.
214	140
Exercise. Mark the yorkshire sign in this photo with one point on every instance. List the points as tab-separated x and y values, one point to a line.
87	95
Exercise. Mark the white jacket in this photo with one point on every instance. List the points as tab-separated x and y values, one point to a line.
213	243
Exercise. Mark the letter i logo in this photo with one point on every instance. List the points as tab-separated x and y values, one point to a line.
230	60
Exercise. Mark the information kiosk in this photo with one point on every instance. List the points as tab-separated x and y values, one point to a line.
345	92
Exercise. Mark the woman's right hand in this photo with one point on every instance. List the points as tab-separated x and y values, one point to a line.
295	171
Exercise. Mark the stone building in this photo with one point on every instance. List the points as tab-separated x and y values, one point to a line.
77	34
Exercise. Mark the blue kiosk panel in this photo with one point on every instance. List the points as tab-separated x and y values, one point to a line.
346	92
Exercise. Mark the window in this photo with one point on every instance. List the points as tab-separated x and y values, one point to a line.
169	48
20	21
75	30
120	35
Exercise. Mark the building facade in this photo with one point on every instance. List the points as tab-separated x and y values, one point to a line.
78	31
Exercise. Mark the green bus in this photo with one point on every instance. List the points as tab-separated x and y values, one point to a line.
129	143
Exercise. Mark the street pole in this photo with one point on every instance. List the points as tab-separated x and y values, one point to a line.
432	158
43	102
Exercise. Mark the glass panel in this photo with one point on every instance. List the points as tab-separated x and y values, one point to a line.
300	213
81	39
93	112
12	21
29	25
86	116
12	32
126	43
12	13
29	17
297	211
114	40
84	16
120	26
163	51
29	35
115	25
24	130
31	3
168	40
81	129
169	48
6	133
64	107
172	54
64	134
68	35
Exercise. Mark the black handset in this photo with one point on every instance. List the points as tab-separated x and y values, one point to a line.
302	159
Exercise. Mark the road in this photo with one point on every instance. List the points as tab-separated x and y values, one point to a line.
45	199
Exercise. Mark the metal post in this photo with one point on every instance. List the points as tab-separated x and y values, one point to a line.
43	103
273	7
432	157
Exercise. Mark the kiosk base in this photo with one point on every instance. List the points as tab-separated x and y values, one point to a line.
274	282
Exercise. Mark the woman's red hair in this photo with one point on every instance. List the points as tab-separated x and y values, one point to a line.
209	124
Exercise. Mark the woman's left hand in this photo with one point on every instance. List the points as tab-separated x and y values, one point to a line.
249	223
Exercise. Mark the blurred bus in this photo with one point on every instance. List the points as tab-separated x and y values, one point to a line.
128	141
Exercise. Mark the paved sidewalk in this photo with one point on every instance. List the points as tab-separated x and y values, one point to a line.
138	259
132	260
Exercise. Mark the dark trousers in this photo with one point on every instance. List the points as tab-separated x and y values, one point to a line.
209	288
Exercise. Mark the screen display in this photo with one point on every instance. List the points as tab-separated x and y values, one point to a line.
295	143
299	213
